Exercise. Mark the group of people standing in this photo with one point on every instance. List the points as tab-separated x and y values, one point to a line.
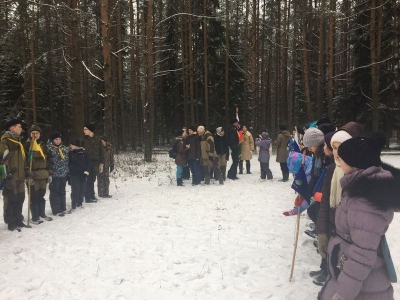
206	152
37	163
352	199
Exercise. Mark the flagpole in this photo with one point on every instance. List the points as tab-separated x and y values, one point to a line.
29	183
297	226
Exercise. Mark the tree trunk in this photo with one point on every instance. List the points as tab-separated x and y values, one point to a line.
227	37
191	65
321	50
148	109
133	119
374	68
305	63
107	96
331	66
121	81
205	63
77	101
33	68
254	64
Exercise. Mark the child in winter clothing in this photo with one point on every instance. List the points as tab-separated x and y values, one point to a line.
103	178
58	168
180	159
264	142
40	174
79	167
357	267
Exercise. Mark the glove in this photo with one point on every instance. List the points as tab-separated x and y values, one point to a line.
322	244
101	166
111	168
29	174
188	146
50	179
86	173
213	159
10	184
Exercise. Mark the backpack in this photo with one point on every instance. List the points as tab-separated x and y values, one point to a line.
173	151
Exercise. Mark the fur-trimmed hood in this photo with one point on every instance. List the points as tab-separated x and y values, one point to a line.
378	185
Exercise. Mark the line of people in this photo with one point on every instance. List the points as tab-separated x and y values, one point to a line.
37	164
352	199
206	152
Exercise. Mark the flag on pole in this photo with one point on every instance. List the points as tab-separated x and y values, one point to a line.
35	148
300	184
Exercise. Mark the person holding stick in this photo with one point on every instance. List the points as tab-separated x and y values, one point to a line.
14	191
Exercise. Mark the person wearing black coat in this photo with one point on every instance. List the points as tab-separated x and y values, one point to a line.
79	168
233	143
194	155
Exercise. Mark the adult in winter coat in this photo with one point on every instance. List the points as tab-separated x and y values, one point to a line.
331	194
181	157
232	138
222	149
57	157
357	267
247	148
194	154
14	190
209	158
40	175
95	148
282	151
264	142
103	178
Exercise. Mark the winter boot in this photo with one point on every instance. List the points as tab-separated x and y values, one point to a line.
316	273
179	182
320	280
42	206
240	166
223	173
311	233
248	167
35	212
11	226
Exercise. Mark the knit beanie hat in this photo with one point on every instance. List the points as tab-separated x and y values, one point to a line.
327	127
179	132
12	122
55	135
193	128
324	120
340	136
201	129
35	128
90	126
234	121
313	137
264	135
283	127
327	138
75	142
363	153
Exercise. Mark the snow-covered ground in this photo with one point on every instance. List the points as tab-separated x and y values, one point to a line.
154	240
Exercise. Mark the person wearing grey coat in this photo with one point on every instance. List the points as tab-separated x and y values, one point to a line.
264	142
357	266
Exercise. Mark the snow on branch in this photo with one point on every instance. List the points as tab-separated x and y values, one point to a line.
90	72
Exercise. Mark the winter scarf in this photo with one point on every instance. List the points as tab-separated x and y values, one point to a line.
336	189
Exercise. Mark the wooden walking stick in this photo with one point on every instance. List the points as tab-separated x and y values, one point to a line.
30	156
297	227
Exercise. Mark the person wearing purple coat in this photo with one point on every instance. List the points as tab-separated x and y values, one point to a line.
357	268
264	142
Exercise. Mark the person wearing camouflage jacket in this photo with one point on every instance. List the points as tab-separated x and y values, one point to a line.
39	174
14	191
103	179
58	168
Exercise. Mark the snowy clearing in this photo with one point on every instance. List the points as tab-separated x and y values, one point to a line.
154	240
